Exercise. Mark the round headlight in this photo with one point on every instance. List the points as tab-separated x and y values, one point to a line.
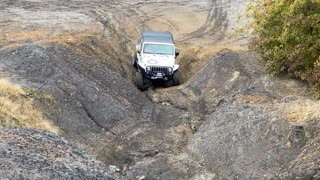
148	68
170	69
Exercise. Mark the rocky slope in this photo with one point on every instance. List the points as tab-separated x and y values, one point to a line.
256	126
229	120
34	154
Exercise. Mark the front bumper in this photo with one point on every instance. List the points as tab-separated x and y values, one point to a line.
157	73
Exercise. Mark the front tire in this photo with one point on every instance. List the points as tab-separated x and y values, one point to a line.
139	81
176	78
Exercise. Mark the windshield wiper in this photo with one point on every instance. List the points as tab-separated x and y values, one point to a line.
163	53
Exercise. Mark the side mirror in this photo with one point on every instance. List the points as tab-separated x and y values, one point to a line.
177	53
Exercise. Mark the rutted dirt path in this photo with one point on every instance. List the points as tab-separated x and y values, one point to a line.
79	52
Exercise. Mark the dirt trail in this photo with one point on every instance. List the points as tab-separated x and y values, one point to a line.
80	51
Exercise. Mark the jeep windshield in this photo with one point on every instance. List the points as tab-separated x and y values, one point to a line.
158	49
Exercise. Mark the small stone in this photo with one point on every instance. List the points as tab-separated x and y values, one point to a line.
114	168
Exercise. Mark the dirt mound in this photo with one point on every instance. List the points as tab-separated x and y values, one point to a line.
248	132
89	96
33	154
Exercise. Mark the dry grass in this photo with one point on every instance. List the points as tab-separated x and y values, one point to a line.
186	134
39	36
87	44
295	112
195	57
301	112
249	99
19	111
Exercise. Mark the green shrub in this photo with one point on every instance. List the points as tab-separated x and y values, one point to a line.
287	36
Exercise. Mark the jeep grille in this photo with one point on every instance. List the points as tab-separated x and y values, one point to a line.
163	70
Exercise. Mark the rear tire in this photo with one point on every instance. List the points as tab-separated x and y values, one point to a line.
139	81
176	78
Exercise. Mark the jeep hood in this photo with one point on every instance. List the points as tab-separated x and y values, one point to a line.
157	60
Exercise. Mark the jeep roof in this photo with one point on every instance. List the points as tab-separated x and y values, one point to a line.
157	36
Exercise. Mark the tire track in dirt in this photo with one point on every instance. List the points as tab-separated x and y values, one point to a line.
216	22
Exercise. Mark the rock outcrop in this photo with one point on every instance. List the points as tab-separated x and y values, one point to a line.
35	154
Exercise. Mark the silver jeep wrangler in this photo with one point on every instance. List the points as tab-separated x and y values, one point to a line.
155	59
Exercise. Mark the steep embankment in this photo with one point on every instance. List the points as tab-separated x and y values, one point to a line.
228	120
256	126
